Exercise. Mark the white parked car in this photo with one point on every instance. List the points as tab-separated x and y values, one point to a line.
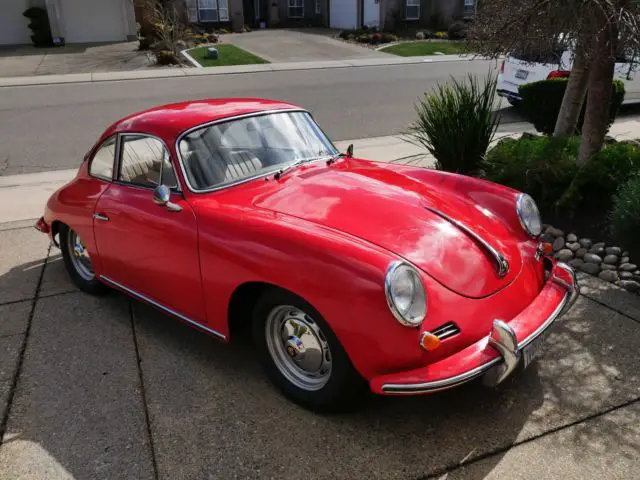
518	70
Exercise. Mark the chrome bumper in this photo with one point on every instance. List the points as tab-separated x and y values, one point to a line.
503	339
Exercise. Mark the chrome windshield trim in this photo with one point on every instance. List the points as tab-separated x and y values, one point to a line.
225	120
502	265
163	308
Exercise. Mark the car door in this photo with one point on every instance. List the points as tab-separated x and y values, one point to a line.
145	248
625	70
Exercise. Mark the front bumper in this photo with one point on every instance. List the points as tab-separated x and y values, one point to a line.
497	355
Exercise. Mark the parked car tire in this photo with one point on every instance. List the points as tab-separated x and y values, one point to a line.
302	355
77	262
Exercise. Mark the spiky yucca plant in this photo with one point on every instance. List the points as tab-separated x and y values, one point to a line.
456	123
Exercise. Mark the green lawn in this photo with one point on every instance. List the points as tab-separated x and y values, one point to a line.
228	55
415	49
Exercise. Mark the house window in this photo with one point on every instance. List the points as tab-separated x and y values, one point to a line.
296	8
413	9
213	10
318	8
469	3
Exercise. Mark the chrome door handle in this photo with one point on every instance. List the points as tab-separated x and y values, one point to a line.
101	216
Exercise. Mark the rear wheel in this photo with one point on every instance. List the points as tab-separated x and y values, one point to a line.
301	354
78	262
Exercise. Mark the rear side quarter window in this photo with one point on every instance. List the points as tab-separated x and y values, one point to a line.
101	165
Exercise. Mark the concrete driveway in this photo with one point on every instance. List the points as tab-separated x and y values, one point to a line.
26	60
299	45
106	387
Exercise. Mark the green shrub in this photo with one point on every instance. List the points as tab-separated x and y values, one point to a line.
364	38
456	124
541	102
542	167
389	37
545	168
625	216
457	31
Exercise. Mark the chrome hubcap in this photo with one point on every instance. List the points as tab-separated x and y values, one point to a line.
298	347
79	256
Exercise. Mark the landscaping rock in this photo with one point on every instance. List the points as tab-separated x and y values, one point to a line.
627	267
581	252
564	255
626	276
611	259
556	232
625	254
572	237
608	276
590	268
609	140
604	266
597	250
599	245
558	243
585	242
576	263
573	246
613	251
630	285
547	238
625	260
592	258
529	136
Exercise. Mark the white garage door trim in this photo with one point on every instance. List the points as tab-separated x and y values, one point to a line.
344	14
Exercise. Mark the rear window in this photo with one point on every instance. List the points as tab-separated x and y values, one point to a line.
533	56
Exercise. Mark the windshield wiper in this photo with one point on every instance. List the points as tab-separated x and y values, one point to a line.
291	166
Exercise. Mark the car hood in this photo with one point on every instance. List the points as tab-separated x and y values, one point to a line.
445	235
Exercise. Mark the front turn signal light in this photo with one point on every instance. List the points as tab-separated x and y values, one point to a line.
429	341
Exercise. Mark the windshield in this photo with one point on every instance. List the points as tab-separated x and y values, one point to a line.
233	151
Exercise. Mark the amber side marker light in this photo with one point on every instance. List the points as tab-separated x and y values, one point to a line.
429	341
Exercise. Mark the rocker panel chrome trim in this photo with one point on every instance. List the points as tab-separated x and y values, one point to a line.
162	307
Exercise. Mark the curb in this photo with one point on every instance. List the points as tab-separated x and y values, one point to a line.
189	58
97	77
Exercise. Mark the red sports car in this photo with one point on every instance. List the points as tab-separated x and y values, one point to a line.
235	211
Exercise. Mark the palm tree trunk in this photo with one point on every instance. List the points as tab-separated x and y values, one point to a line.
596	120
574	96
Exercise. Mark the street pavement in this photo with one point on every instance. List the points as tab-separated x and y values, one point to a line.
51	127
106	387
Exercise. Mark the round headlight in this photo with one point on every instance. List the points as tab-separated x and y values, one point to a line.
529	215
405	293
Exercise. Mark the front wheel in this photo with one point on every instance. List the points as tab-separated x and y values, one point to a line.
302	355
78	262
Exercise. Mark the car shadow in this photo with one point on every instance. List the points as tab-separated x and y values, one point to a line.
211	410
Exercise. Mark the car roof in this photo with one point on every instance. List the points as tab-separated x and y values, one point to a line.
169	121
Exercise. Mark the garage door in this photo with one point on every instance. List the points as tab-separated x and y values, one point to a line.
88	21
344	14
13	26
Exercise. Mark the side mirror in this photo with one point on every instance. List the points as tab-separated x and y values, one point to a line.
350	150
162	198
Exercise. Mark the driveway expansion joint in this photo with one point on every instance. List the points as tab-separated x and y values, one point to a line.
4	420
465	463
143	393
605	305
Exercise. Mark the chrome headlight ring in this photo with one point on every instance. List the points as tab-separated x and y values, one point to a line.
529	215
405	293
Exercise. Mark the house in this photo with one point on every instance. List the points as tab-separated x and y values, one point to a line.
77	21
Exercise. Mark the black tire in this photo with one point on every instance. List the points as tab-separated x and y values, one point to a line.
93	286
345	388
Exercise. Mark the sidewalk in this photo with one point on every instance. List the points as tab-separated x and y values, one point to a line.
190	72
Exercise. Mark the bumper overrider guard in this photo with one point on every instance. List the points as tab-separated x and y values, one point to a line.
502	339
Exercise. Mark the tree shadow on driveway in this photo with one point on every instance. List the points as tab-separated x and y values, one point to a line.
213	414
